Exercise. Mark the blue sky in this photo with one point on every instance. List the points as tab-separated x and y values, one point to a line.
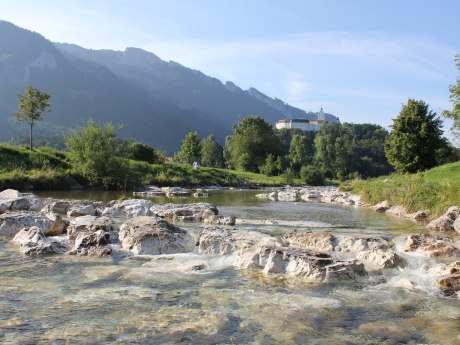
359	59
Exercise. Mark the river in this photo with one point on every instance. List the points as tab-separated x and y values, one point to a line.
86	300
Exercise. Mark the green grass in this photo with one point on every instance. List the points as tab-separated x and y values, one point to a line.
46	168
185	175
43	168
434	190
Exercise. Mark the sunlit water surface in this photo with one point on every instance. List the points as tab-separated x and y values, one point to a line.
70	300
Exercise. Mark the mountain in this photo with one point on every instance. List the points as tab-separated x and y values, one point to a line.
157	102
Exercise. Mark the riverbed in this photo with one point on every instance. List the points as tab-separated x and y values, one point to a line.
87	300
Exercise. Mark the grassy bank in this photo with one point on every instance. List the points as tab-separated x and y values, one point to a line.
46	168
434	190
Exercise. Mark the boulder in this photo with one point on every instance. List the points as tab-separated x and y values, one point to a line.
13	200
215	240
382	206
127	208
33	242
430	245
89	224
176	191
220	220
57	206
10	194
11	223
322	241
457	225
184	213
153	236
397	210
288	195
442	224
83	208
300	263
453	212
450	281
418	216
92	243
374	251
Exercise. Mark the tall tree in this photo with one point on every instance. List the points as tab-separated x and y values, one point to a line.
454	114
301	150
211	153
252	140
190	150
414	139
33	105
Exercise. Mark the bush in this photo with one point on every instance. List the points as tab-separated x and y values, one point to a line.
311	175
95	155
145	153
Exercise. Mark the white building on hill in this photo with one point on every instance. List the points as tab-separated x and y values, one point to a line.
313	125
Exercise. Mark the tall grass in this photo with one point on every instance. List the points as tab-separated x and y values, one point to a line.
434	190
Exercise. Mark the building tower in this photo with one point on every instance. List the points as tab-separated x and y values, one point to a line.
321	116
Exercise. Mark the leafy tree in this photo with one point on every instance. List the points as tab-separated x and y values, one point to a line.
414	139
95	155
269	167
143	152
211	153
252	140
33	105
301	151
349	150
190	150
454	114
312	175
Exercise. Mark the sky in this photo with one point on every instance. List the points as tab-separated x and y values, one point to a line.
358	59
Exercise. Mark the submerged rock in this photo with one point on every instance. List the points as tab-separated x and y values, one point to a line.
300	263
33	242
11	223
153	236
231	241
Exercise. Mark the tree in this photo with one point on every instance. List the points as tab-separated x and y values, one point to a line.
143	152
211	153
190	150
269	167
95	155
454	114
252	140
414	139
301	151
312	175
33	105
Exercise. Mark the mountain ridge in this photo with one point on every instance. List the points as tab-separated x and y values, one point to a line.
157	101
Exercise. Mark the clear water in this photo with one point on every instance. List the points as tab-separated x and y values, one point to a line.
68	300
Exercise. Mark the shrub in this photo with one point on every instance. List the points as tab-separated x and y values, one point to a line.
312	175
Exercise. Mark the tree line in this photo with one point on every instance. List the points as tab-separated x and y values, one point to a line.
337	151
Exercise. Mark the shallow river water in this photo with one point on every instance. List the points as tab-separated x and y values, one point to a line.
75	300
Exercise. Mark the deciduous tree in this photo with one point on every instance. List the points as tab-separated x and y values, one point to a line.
414	139
33	105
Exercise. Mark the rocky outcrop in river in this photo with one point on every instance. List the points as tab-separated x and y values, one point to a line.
140	227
